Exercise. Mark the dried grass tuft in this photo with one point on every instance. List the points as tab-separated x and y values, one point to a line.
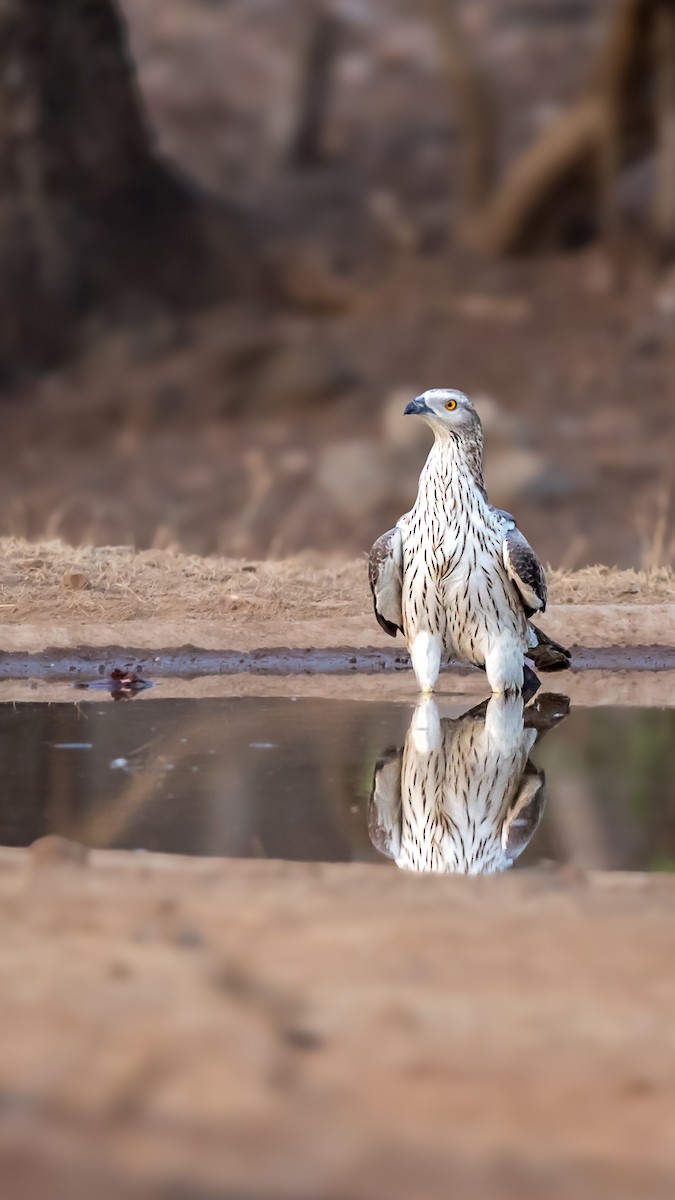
51	581
608	585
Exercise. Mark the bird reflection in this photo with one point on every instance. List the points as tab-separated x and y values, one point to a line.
462	795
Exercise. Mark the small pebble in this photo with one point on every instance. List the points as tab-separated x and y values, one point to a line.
75	581
52	849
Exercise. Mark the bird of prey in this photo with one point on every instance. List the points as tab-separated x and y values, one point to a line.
462	795
455	575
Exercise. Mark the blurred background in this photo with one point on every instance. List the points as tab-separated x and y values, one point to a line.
236	236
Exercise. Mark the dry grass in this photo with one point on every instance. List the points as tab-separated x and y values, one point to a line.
55	582
607	585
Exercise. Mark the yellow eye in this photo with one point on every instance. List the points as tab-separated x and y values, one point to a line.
450	404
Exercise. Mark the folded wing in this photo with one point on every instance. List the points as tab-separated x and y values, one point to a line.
385	572
384	807
524	812
525	570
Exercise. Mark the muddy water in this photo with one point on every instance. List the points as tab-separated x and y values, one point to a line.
425	788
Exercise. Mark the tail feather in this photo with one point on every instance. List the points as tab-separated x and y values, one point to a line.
549	655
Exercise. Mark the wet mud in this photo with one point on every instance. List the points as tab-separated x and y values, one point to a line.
90	665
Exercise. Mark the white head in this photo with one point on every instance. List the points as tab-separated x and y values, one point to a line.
448	412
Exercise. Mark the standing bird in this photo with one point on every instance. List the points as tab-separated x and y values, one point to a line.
455	575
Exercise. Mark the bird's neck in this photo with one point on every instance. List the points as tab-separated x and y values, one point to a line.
453	459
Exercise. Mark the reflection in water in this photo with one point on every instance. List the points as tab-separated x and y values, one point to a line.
462	795
122	683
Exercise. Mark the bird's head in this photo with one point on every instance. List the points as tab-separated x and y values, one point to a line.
447	411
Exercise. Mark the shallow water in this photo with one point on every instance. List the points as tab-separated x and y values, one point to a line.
333	780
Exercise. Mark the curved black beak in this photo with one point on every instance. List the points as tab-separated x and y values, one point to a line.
417	406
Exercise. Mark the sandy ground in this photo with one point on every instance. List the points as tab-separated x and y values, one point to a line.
278	1030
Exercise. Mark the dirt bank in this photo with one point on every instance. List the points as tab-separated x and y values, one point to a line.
75	614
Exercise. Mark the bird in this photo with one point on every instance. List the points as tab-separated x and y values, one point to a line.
455	575
462	795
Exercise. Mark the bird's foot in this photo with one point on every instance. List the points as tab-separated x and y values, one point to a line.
531	683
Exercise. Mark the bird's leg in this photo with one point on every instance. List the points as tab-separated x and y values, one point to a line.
425	727
504	666
425	655
504	721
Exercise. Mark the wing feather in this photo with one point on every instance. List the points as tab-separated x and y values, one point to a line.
384	807
385	573
525	570
525	811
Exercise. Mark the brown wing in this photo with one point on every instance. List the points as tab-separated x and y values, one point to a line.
385	573
525	811
384	806
525	570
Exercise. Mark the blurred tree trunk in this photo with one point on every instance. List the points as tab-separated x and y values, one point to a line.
314	90
663	211
562	189
89	215
474	106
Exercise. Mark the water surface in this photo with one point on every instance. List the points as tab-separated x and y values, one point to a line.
330	780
